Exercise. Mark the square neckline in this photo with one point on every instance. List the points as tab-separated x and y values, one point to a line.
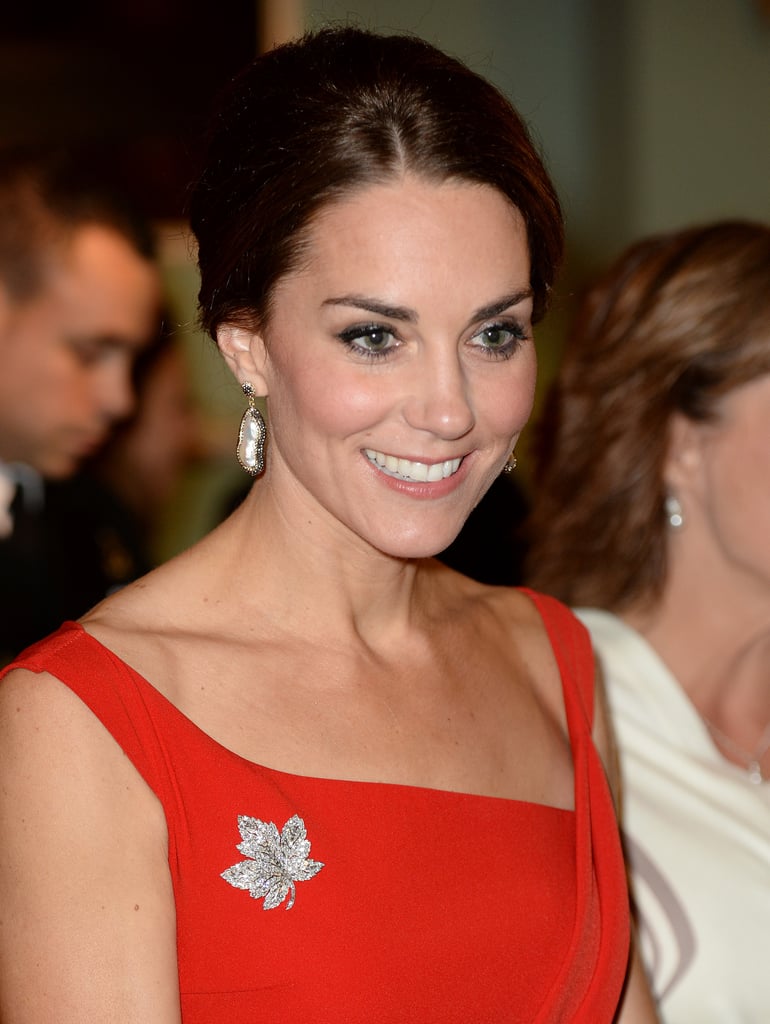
76	630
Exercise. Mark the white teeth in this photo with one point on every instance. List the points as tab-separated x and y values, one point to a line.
404	469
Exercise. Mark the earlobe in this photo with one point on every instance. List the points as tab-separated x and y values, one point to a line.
244	352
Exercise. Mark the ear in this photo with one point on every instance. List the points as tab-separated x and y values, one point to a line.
244	352
684	458
5	309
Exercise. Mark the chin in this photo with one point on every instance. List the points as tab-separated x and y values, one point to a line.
57	468
416	548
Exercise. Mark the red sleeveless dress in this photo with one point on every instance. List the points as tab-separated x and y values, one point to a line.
317	900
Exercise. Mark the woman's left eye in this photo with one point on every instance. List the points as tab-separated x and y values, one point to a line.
500	340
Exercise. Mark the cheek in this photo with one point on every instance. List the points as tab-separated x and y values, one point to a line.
745	478
510	401
57	367
312	402
56	388
734	490
26	358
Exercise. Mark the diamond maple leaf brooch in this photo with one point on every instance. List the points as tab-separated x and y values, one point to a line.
277	860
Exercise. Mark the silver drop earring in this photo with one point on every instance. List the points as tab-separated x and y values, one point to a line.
510	463
252	433
674	512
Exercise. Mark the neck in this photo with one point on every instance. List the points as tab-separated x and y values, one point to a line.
716	643
303	576
751	759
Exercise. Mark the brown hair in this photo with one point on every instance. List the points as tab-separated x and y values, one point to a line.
340	109
679	321
44	197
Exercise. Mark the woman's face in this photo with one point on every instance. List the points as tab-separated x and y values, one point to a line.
727	497
399	363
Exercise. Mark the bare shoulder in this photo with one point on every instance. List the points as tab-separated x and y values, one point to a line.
458	594
507	619
506	614
139	605
39	715
519	610
527	631
83	866
56	755
138	623
172	601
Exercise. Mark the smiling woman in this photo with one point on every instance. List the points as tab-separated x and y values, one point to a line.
394	762
431	368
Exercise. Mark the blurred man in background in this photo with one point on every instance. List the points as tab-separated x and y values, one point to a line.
79	298
114	515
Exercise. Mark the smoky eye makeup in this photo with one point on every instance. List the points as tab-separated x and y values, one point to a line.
502	338
372	340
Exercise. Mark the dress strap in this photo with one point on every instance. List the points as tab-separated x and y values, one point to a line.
572	647
601	920
124	703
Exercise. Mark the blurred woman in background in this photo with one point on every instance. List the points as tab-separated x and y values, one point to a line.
652	517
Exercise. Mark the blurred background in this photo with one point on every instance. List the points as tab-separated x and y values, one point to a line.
651	114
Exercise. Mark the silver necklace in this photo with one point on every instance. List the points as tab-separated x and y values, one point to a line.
751	760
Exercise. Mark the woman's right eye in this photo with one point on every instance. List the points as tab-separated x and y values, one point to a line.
371	340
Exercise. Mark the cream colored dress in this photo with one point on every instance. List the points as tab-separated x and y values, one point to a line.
698	833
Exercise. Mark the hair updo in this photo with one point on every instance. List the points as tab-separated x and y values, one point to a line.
340	109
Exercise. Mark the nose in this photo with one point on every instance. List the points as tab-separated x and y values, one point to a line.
439	399
115	392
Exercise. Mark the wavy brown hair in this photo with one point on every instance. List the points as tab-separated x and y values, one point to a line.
676	323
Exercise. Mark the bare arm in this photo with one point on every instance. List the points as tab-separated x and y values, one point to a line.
637	1004
87	922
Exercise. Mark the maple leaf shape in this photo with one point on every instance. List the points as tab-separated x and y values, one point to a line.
277	860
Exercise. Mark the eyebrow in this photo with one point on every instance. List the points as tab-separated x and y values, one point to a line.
408	315
375	306
108	342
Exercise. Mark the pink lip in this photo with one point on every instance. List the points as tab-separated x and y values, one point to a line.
423	490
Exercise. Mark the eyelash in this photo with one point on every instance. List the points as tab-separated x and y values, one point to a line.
517	333
352	335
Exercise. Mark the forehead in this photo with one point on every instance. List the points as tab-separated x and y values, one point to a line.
409	230
98	283
99	260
